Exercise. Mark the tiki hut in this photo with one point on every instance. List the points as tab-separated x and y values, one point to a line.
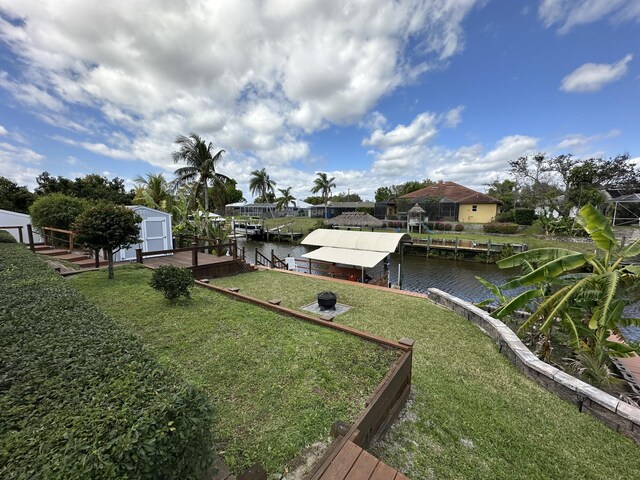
415	217
356	220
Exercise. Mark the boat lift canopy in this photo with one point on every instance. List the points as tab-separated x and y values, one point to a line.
361	249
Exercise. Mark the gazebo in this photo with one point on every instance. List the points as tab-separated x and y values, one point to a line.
356	220
415	218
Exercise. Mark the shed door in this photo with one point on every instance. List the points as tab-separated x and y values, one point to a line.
154	232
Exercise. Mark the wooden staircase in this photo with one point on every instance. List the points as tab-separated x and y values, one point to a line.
82	260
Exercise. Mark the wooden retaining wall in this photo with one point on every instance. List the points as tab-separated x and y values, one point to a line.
617	414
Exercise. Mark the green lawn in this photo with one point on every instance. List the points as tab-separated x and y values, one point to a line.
277	383
295	224
472	414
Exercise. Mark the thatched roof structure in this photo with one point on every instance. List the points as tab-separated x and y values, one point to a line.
356	219
416	211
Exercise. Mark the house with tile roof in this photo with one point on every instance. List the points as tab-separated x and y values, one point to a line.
448	201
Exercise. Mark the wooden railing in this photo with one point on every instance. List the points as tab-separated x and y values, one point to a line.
67	239
194	249
278	262
260	259
14	227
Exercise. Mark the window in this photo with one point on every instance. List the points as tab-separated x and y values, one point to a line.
474	208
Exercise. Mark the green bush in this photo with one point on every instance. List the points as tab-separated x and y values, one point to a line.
172	281
448	227
431	225
56	210
459	227
439	226
500	227
6	237
81	398
508	217
524	216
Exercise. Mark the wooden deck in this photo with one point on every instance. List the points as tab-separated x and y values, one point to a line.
183	259
354	463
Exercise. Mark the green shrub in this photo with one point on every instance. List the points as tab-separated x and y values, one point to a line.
431	225
448	227
524	216
56	210
459	227
172	281
439	226
81	398
500	227
508	217
6	237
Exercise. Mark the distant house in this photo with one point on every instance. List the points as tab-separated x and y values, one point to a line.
266	210
447	201
337	208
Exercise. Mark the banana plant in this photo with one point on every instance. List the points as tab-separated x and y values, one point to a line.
589	305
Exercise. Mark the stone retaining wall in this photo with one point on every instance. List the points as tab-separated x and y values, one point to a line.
615	413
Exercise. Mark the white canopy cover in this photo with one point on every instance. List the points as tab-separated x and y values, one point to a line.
363	249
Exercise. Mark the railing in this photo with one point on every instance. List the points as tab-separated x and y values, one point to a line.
262	260
194	249
66	239
14	227
325	269
278	262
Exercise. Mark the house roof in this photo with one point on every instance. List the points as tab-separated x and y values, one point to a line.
356	219
452	191
346	205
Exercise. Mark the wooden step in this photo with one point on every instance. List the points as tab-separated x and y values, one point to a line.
90	263
41	246
53	252
73	257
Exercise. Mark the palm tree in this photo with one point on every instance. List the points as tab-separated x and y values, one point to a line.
261	184
201	165
153	191
286	198
323	184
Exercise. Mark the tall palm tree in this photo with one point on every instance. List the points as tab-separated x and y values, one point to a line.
153	191
261	184
201	165
323	184
283	201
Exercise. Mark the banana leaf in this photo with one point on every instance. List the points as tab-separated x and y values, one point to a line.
537	255
621	349
635	269
632	250
549	270
517	302
598	227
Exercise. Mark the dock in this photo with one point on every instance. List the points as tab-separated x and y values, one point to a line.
459	245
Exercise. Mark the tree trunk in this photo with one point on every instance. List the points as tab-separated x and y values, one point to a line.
206	197
325	210
110	259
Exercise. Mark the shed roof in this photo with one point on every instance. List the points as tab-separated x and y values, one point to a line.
416	209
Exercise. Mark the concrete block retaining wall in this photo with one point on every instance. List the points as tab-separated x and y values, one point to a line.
615	413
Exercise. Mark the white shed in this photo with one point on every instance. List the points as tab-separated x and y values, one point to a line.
15	219
155	232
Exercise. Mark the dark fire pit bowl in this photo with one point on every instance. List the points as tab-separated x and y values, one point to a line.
327	300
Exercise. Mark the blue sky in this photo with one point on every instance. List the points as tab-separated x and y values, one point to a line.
373	92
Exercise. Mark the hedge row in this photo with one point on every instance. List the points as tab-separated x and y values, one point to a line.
500	227
79	397
6	237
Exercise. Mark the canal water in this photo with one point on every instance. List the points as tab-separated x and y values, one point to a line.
456	277
420	273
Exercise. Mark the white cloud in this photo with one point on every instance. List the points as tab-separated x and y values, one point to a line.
17	163
453	117
3	131
251	76
578	141
421	130
591	77
567	14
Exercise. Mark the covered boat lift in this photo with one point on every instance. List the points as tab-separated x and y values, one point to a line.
626	210
356	249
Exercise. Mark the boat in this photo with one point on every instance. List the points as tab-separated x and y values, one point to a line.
248	228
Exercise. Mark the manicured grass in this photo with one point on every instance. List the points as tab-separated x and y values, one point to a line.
295	224
531	240
472	414
277	383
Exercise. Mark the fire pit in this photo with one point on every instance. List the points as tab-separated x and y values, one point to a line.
327	300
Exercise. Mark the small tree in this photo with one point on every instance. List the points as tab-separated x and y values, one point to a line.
109	227
172	281
56	210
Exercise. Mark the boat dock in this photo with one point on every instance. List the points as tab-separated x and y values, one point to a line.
460	245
